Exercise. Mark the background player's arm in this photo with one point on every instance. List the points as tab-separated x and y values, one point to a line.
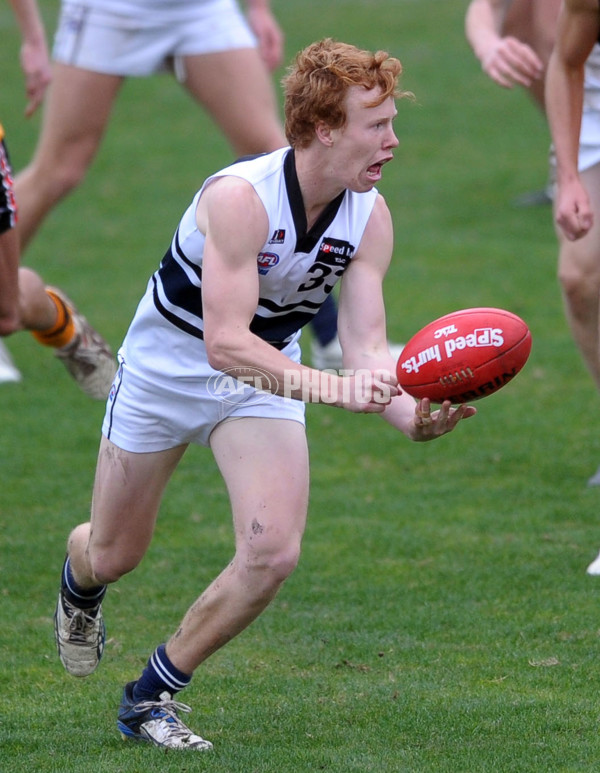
35	61
504	58
267	31
577	32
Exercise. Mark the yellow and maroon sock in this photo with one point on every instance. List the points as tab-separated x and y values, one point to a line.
63	331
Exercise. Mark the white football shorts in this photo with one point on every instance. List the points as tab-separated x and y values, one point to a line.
140	45
143	416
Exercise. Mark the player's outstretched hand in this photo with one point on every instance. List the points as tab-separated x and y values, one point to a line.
428	425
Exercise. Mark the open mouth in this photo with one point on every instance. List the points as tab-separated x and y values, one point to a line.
374	171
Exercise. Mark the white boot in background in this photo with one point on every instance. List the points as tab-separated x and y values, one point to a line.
8	369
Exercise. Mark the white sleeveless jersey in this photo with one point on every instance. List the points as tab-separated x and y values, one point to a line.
296	270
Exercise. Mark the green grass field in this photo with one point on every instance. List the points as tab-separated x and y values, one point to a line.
441	619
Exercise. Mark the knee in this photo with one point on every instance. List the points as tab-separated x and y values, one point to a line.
108	565
281	565
571	281
271	567
106	568
66	177
581	295
579	277
53	178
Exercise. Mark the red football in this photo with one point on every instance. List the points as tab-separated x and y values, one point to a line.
464	356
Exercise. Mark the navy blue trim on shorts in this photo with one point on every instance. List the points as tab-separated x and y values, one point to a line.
113	397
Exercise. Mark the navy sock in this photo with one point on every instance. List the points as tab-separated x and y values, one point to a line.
159	675
82	598
324	323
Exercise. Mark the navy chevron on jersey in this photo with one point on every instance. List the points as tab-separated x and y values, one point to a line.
297	268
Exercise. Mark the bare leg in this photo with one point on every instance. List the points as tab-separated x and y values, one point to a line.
579	275
33	310
37	310
127	492
269	519
76	112
236	89
9	278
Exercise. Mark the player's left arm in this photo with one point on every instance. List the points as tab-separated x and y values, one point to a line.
363	336
361	316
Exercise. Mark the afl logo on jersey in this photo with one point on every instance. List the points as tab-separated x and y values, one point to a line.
266	261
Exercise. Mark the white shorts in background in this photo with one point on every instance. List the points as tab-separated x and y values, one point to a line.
589	140
143	416
589	145
117	44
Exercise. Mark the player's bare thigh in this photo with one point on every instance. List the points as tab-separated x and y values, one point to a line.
77	110
264	463
236	89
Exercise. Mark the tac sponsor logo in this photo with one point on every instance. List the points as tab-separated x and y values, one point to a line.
266	261
444	332
235	385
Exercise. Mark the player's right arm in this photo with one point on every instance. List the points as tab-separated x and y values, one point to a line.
577	31
505	59
235	223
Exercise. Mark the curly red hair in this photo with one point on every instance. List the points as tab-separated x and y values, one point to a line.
316	84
